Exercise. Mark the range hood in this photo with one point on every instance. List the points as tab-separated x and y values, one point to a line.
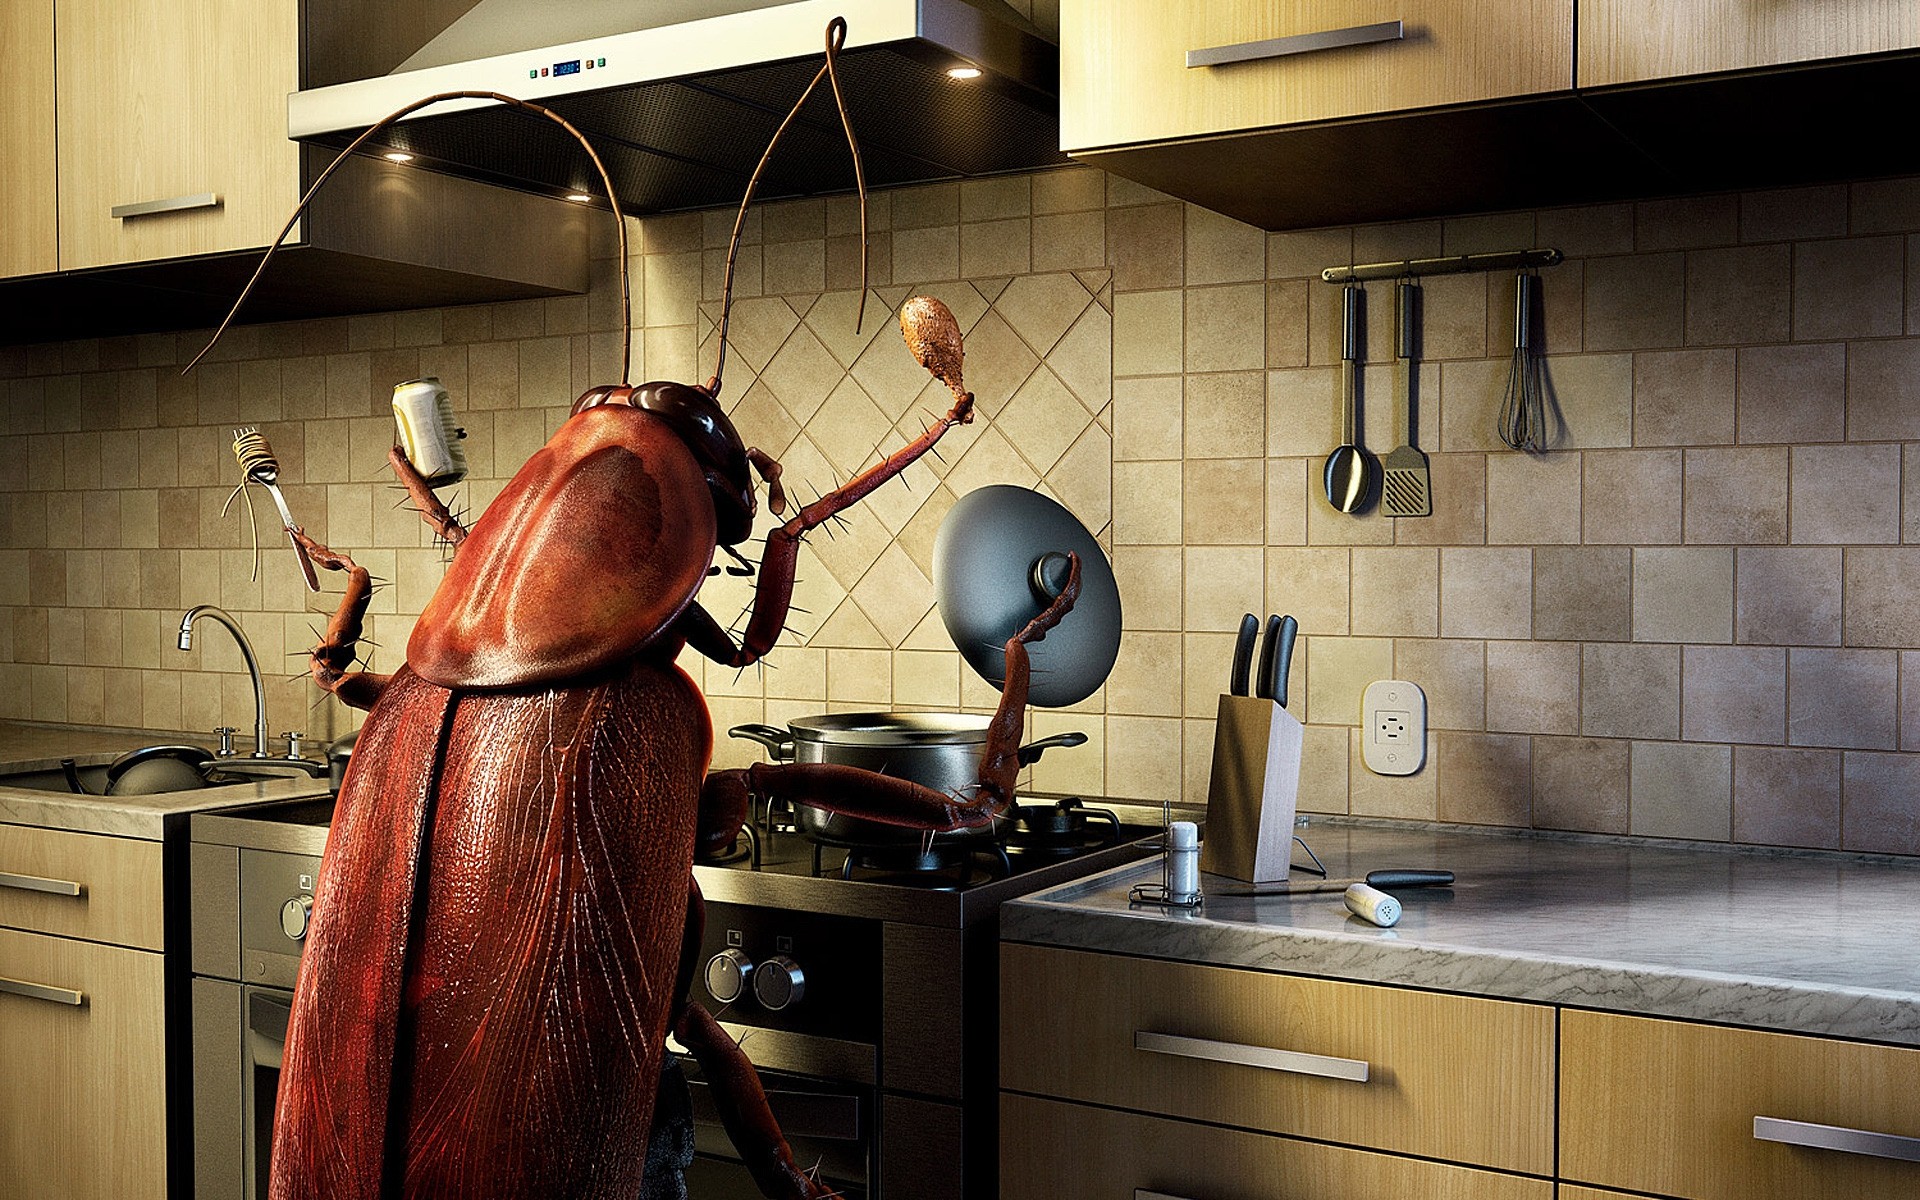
681	111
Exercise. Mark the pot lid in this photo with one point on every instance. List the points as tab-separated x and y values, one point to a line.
998	551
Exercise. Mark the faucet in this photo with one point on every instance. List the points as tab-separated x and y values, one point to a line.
246	651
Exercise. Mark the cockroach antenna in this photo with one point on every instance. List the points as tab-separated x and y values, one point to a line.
514	102
836	38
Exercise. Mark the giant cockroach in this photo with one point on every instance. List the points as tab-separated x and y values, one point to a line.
505	921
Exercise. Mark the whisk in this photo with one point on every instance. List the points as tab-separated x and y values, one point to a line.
1523	413
260	466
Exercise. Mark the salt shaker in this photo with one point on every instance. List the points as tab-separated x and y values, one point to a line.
1183	862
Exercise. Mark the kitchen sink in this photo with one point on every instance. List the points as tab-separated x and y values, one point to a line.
228	771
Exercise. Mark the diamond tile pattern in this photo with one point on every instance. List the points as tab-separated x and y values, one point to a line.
834	401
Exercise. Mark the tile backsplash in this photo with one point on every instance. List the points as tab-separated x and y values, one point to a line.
1690	618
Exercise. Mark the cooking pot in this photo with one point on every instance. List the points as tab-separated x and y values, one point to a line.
941	751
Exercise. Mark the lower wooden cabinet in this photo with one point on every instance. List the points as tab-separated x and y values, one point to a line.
1671	1107
1458	1078
83	1113
1050	1150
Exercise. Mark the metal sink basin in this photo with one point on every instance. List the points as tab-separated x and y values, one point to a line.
95	779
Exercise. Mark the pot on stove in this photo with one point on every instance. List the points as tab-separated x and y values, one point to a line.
941	751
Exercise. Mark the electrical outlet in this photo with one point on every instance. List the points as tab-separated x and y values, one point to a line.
1393	727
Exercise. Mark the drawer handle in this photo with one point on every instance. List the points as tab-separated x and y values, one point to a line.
1835	1137
148	208
33	883
1291	1061
40	991
1299	43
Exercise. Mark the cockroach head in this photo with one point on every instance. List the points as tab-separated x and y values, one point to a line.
697	417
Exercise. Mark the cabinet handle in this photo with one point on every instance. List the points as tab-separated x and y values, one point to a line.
1835	1137
1291	1061
1299	43
33	883
40	991
148	208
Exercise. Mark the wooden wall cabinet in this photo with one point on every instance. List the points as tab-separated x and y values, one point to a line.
1481	106
1125	78
28	219
174	102
83	1017
1635	41
166	170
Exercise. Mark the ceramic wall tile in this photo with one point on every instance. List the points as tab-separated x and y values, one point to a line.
1485	779
1849	287
1739	295
1792	393
1877	810
1785	797
1682	791
1843	698
1580	784
1688	618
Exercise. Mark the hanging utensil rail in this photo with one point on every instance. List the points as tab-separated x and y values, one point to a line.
1509	260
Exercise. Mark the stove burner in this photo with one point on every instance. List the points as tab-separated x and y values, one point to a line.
745	848
1063	829
948	866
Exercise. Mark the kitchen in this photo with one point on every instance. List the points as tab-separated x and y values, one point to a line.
1685	621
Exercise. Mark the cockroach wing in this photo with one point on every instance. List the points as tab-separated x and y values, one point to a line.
589	553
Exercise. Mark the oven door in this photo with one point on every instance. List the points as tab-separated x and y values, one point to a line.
827	1123
239	1034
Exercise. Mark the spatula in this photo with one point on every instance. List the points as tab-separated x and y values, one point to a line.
1406	489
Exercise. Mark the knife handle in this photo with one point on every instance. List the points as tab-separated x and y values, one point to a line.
1269	655
1283	661
1243	654
1408	877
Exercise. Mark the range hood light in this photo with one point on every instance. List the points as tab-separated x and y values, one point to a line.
398	156
579	197
963	73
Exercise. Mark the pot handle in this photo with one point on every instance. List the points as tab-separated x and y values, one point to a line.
779	742
1031	752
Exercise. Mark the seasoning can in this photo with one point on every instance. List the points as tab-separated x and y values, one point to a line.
423	416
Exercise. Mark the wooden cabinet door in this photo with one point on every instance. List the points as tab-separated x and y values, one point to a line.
28	223
1124	77
1628	41
1446	1077
83	1112
169	102
1050	1150
1676	1109
83	885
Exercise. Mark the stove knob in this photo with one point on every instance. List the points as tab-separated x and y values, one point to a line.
295	914
728	973
779	983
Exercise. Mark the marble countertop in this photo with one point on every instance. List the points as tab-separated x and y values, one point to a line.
1802	942
25	747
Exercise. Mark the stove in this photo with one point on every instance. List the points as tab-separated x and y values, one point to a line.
863	983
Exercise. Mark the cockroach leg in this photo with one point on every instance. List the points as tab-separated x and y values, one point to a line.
330	659
444	524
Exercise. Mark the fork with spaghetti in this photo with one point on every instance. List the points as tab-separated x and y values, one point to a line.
260	466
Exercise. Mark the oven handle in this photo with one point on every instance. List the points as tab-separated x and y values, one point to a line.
267	1017
824	1115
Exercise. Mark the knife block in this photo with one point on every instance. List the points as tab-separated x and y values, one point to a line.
1253	791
